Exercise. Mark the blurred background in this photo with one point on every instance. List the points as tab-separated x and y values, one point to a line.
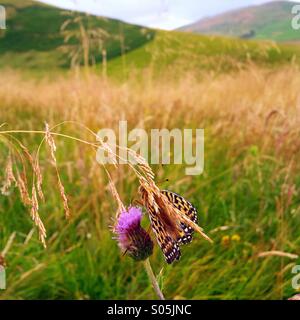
231	68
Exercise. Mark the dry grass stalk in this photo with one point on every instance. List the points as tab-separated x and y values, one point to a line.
21	183
34	212
222	228
39	181
9	177
8	245
63	196
22	186
31	271
109	151
51	143
115	194
142	164
29	236
36	170
278	254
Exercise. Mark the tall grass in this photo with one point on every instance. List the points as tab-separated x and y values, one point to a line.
247	198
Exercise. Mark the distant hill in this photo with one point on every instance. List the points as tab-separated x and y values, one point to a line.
33	38
271	21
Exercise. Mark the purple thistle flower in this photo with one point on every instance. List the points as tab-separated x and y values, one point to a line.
132	238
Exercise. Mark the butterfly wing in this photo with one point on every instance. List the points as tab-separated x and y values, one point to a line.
185	236
166	242
169	228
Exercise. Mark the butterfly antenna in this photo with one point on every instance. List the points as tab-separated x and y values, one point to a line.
160	182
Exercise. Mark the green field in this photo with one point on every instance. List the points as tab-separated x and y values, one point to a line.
245	94
179	52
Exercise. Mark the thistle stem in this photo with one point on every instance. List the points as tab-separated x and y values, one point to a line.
153	279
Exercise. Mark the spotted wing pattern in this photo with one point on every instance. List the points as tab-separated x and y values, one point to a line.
186	208
169	228
166	242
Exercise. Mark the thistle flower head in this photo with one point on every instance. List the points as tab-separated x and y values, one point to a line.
132	238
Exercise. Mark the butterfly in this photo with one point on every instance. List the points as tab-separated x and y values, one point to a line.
170	229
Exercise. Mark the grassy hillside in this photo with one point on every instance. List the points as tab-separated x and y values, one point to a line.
180	52
33	38
268	21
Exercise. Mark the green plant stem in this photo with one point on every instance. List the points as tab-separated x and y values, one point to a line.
153	279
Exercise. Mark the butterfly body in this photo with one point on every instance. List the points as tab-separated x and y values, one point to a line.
170	229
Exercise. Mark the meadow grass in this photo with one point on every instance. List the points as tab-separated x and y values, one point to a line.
247	197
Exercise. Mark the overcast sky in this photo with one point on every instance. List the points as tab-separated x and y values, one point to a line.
163	14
